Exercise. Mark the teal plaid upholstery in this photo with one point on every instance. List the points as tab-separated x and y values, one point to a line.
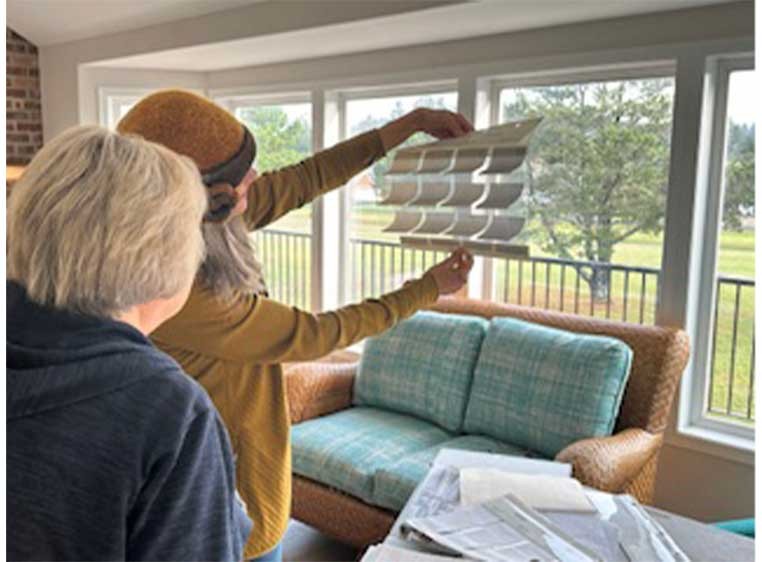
394	483
422	367
343	450
543	388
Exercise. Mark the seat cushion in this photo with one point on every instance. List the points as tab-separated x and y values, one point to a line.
544	388
395	482
343	450
423	367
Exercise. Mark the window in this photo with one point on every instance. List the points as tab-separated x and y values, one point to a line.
723	386
376	262
282	128
114	104
595	182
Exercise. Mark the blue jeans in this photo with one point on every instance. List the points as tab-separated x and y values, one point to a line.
275	555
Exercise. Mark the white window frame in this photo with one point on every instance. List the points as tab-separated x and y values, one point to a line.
650	69
233	102
693	419
110	97
341	98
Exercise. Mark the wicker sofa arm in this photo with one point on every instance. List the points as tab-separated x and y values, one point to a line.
610	463
315	389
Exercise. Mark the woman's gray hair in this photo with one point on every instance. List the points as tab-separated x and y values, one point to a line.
230	265
100	222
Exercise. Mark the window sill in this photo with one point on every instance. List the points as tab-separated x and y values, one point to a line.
712	442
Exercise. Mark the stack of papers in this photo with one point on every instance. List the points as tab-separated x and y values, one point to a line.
386	553
495	507
501	530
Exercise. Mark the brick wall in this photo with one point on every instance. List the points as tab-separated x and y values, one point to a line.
23	129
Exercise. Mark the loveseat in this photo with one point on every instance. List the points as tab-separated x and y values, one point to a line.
361	443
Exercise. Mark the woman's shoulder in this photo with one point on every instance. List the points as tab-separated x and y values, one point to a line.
164	386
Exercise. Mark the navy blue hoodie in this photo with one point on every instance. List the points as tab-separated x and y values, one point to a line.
113	453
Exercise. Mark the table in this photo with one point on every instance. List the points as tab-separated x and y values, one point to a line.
699	541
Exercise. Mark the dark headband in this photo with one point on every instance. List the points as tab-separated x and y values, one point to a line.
224	177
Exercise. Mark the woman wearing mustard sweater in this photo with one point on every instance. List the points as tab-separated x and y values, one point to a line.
230	336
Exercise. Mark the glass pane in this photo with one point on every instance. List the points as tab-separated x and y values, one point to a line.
376	262
731	370
595	191
118	106
284	136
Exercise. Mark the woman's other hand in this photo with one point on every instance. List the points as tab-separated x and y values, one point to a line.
451	274
439	123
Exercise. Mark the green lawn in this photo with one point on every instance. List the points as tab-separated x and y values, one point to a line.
632	297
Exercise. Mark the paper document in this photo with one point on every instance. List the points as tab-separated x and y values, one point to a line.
538	491
386	553
469	459
501	530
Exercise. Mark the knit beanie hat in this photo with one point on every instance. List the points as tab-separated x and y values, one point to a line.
222	148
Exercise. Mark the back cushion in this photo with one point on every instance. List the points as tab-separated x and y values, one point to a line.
423	366
543	388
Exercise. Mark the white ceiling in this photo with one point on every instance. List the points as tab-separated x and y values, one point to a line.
48	22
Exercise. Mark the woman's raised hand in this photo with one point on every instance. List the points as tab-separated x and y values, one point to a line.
452	273
441	124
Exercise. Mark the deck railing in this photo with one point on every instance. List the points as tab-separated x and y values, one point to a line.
615	291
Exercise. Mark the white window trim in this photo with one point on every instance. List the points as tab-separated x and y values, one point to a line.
692	418
242	99
108	96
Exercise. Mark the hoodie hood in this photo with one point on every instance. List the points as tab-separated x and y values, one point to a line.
56	358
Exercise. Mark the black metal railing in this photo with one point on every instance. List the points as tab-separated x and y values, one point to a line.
615	291
287	261
731	367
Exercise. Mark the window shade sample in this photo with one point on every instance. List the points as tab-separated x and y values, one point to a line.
400	193
474	219
468	160
468	225
435	161
502	228
405	162
505	159
464	195
430	243
404	221
501	195
431	194
497	249
434	223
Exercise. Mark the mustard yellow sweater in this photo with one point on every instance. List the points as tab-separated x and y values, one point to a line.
234	347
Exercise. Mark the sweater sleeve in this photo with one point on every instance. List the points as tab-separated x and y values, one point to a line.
188	508
260	330
276	193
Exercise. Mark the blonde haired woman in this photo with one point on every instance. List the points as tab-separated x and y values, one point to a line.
112	452
230	336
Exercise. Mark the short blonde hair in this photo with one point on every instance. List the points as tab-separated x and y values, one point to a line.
100	222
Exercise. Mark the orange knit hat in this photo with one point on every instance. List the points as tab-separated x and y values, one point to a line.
222	148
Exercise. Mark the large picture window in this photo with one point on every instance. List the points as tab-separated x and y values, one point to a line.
595	182
722	393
